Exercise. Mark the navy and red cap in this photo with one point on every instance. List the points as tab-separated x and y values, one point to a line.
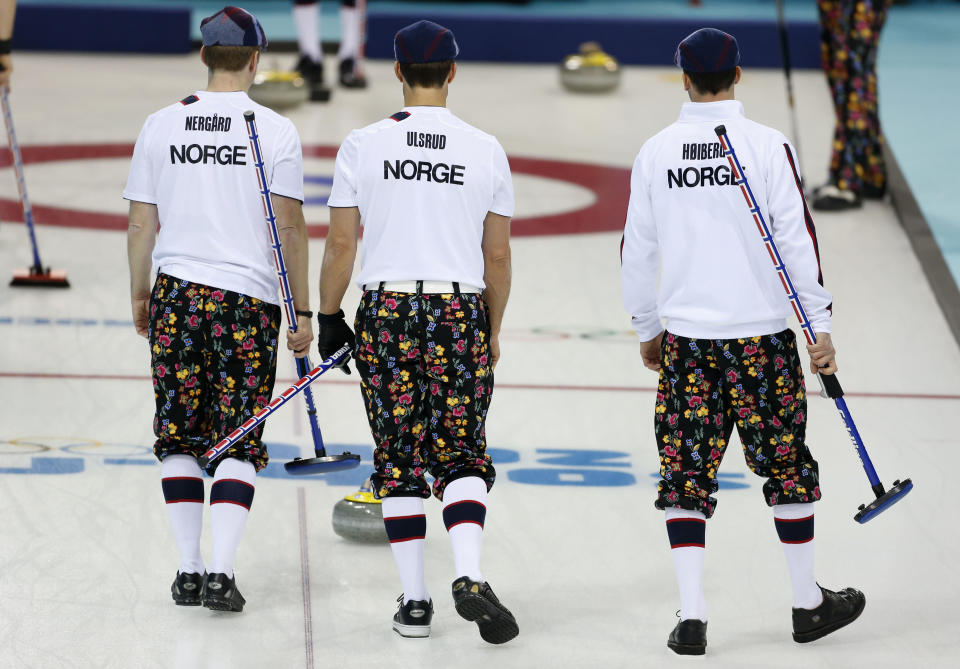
424	42
708	50
232	26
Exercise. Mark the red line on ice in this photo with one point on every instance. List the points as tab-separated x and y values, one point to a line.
59	376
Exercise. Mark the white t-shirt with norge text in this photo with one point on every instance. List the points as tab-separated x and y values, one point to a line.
193	160
424	181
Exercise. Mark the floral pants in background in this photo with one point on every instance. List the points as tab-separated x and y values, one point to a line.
426	378
849	35
708	386
214	361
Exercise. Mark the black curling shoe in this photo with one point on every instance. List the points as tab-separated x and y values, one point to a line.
831	198
348	77
689	637
187	589
412	620
313	74
476	602
220	593
838	610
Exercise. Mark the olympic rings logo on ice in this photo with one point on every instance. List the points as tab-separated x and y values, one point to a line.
72	445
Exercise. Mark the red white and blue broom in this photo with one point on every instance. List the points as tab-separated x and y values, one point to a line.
831	386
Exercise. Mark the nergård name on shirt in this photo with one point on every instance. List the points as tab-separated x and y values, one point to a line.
215	123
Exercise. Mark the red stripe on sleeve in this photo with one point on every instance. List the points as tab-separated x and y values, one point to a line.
808	219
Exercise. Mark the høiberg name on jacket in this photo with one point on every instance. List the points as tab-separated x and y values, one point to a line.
213	123
422	170
702	151
427	140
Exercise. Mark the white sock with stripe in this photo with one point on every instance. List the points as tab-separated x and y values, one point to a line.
182	483
794	523
406	526
687	531
349	33
464	512
306	19
230	498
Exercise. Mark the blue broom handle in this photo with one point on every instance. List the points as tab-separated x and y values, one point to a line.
829	381
21	182
303	364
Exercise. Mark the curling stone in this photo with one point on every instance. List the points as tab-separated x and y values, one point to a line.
590	71
279	90
359	517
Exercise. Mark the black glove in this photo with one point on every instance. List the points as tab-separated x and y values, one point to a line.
333	333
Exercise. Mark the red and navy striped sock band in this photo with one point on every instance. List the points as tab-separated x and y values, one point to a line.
182	489
232	491
467	511
405	528
795	530
684	532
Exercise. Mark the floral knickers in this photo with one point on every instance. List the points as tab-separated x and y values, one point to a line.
426	378
708	386
214	360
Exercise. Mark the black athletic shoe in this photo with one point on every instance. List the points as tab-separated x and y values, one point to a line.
477	603
220	593
689	637
831	198
349	78
838	610
313	74
187	589
412	619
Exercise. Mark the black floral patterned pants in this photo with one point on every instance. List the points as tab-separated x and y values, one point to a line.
708	386
849	37
214	361
426	379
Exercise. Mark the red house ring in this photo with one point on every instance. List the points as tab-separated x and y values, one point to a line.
610	186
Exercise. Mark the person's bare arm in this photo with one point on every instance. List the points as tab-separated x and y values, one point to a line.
141	237
8	10
496	275
293	240
339	254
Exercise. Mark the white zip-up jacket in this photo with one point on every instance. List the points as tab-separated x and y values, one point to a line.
717	280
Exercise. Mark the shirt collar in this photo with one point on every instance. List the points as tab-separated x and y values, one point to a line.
692	112
420	109
201	93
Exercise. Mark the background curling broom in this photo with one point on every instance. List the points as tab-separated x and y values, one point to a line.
831	386
36	274
321	462
785	57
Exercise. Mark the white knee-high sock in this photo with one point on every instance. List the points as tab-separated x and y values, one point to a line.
464	512
306	19
183	492
230	499
794	523
406	526
349	33
687	533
